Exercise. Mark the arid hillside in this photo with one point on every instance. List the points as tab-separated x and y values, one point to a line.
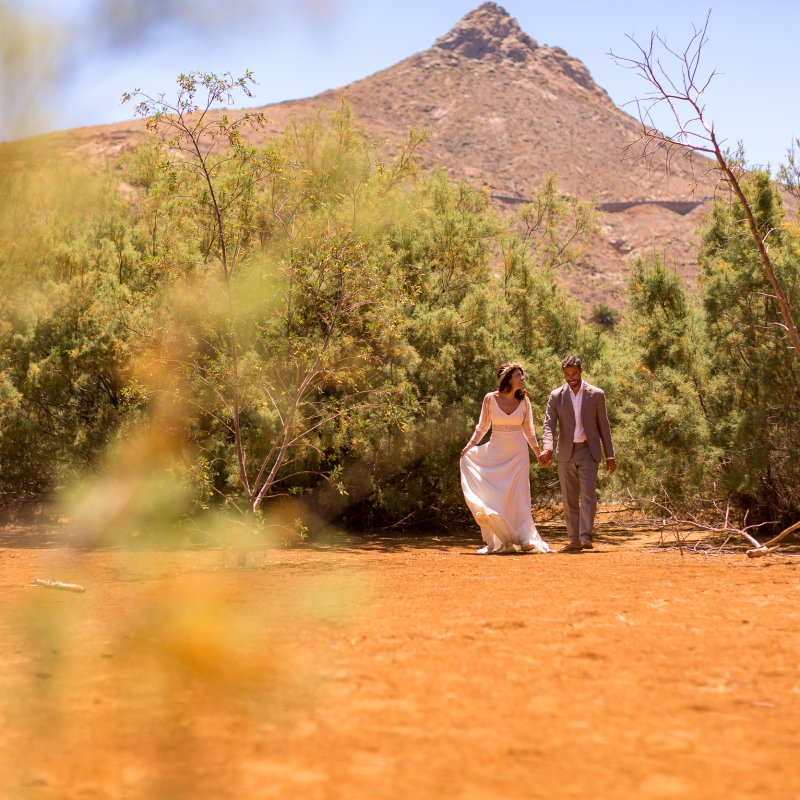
505	112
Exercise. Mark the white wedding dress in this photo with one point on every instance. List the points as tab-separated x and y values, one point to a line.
495	478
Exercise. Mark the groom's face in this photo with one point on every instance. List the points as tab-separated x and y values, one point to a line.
572	375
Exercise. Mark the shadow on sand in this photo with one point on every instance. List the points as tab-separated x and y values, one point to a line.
31	537
606	538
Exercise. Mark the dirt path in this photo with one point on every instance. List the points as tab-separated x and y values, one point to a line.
392	668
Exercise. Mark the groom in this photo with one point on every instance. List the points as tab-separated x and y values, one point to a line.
579	409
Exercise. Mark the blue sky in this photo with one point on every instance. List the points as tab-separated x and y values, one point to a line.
298	48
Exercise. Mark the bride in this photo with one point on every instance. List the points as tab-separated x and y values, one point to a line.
495	477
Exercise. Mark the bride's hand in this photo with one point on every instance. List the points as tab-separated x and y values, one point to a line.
468	447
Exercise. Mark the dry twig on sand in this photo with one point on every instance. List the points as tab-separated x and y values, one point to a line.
66	587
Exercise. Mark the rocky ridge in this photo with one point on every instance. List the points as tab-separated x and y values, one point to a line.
505	112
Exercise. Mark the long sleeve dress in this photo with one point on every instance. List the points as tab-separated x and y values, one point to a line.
495	478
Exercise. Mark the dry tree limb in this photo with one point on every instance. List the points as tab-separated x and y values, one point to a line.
678	523
759	552
790	530
772	545
675	85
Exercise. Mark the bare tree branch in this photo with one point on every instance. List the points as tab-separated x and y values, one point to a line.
677	85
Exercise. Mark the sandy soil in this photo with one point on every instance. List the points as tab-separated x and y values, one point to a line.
399	668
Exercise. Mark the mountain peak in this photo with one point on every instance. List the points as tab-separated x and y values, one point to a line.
489	33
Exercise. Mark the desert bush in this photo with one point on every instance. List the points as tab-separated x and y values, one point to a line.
756	376
72	272
706	382
322	318
660	387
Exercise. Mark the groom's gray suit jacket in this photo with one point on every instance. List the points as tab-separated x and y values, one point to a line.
559	414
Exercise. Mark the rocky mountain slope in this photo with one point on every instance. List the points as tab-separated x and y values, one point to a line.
505	112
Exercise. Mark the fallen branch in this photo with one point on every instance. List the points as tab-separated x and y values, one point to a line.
758	552
678	523
772	545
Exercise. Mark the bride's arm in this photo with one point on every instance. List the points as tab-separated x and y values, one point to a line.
484	423
527	427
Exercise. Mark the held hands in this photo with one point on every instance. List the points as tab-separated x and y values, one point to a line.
546	456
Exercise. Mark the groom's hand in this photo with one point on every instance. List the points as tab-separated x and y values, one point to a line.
611	465
544	457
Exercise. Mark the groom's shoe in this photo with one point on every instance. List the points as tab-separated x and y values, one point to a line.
586	544
571	547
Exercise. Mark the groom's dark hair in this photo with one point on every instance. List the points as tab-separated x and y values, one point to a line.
572	361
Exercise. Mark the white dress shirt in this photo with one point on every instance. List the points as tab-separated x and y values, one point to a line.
577	401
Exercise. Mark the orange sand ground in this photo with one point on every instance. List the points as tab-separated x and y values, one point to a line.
399	668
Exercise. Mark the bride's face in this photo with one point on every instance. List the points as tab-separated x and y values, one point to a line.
517	379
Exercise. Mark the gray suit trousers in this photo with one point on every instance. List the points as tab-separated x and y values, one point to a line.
578	478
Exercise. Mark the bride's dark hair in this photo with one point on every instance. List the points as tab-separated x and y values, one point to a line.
504	373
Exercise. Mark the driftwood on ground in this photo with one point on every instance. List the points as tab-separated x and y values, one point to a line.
66	587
